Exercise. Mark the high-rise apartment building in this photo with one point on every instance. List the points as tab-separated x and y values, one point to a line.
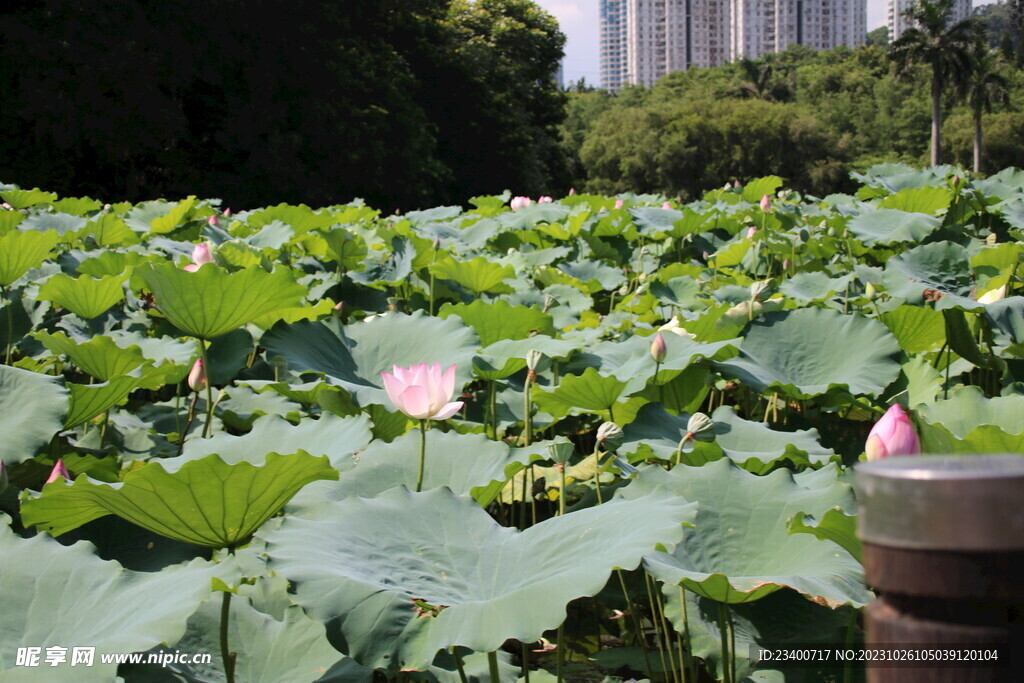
642	40
898	23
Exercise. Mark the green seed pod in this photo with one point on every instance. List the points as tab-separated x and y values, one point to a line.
537	361
701	427
560	451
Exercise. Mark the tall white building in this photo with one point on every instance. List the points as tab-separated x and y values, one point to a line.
645	39
898	23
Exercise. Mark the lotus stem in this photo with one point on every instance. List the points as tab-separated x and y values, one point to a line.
597	473
659	636
661	387
558	652
527	418
225	653
637	629
209	389
492	408
492	663
458	664
423	454
526	662
686	634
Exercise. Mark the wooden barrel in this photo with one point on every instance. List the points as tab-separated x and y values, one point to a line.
943	544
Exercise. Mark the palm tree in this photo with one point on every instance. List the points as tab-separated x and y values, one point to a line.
946	49
984	87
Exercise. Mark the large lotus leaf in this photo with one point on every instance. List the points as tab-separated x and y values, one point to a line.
534	214
654	220
355	356
942	266
806	352
110	263
754	446
595	275
14	324
20	250
301	218
968	422
110	230
498	320
177	213
32	409
916	328
211	301
814	286
389	268
206	502
63	224
923	381
464	463
242	406
1007	317
65	596
889	226
89	400
683	292
925	200
478	275
85	296
23	199
358	564
835	525
780	619
99	357
589	392
330	435
741	549
631	361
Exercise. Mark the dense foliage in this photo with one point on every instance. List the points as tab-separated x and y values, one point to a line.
810	117
276	101
486	428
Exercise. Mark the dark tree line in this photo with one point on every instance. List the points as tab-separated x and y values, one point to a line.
406	103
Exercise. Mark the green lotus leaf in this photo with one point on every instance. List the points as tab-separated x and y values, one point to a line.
1007	317
631	361
270	237
346	247
239	407
99	357
589	392
89	400
389	267
77	206
740	549
110	263
534	214
595	276
890	226
924	200
359	562
795	352
783	618
756	189
654	220
923	381
301	218
497	321
85	296
942	266
335	437
110	230
32	409
354	356
21	250
464	463
65	225
211	301
479	275
814	286
65	596
14	324
683	292
206	502
23	199
917	329
9	220
237	254
968	422
177	213
835	525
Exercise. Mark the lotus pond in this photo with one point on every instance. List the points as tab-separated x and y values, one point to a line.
595	439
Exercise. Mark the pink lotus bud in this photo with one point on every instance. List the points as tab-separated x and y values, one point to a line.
437	243
422	392
735	183
619	203
751	231
666	206
338	309
212	220
766	203
706	256
201	254
519	202
892	435
785	264
227	212
658	348
572	191
59	470
545	200
197	376
7	206
992	295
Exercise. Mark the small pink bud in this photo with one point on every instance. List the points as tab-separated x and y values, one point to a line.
735	183
666	206
751	231
212	220
519	203
59	470
766	203
201	254
572	191
892	435
227	212
338	309
785	264
658	348
197	376
545	200
619	203
7	206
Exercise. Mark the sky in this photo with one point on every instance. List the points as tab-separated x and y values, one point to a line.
581	22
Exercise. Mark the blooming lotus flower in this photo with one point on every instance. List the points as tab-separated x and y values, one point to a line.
892	435
992	296
200	256
658	348
618	203
751	232
766	203
197	376
59	470
422	391
519	202
545	200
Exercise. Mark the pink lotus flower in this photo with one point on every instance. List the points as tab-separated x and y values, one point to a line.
197	376
572	191
58	471
422	392
892	435
545	200
666	206
619	203
227	212
212	220
519	203
658	348
766	203
751	232
200	256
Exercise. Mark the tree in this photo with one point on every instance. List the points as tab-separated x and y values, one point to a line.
879	36
945	49
983	88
